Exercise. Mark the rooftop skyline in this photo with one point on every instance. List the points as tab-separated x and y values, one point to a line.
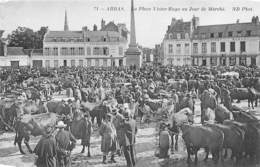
151	25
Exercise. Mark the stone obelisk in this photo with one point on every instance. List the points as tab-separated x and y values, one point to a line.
133	54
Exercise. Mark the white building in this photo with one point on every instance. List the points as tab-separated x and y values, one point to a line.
100	48
177	43
212	45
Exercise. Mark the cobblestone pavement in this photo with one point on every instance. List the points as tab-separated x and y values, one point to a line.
147	141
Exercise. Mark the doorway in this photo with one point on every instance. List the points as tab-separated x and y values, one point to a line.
65	63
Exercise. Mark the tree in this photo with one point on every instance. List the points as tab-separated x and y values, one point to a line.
27	38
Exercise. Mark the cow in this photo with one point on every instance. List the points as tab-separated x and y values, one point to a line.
207	101
176	119
243	94
32	125
222	113
196	137
233	139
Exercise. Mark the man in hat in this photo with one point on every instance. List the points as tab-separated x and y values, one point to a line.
46	150
86	129
117	121
108	138
130	129
65	143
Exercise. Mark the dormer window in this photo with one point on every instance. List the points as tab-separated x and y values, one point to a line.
203	35
248	33
239	33
170	36
178	36
230	34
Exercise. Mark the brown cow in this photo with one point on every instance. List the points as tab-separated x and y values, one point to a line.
32	125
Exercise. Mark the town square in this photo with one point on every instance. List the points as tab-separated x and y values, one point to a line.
132	83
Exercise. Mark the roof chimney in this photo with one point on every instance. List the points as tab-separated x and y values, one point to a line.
237	20
66	26
103	23
95	27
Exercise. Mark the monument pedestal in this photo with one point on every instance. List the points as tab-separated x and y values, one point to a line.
133	57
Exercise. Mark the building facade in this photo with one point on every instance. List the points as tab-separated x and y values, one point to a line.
99	48
213	45
12	56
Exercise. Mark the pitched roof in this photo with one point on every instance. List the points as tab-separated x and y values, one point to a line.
179	27
15	51
110	27
62	34
225	28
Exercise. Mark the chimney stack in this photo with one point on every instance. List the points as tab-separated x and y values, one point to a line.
95	27
103	23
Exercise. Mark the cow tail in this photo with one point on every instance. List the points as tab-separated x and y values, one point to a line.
16	137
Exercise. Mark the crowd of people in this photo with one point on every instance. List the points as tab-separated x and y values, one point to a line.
117	86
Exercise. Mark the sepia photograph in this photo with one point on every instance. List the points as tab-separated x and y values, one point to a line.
129	83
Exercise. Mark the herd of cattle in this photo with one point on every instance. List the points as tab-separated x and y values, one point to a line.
224	126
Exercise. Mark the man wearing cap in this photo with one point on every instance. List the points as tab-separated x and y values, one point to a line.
108	138
46	150
65	143
130	129
86	129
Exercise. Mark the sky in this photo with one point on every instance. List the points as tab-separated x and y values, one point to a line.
151	16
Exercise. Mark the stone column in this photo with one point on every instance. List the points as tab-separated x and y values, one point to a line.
227	61
237	60
248	60
208	61
218	61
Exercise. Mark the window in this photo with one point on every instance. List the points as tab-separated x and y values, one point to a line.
81	63
213	47
55	51
81	51
232	47
56	63
242	46
96	62
242	61
178	36
239	33
213	61
64	51
230	34
104	39
259	46
73	63
204	48
120	50
96	51
232	61
72	51
170	48
248	33
178	48
211	35
203	35
47	63
47	51
220	34
222	47
89	62
187	48
170	36
195	48
105	51
178	59
105	62
88	50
